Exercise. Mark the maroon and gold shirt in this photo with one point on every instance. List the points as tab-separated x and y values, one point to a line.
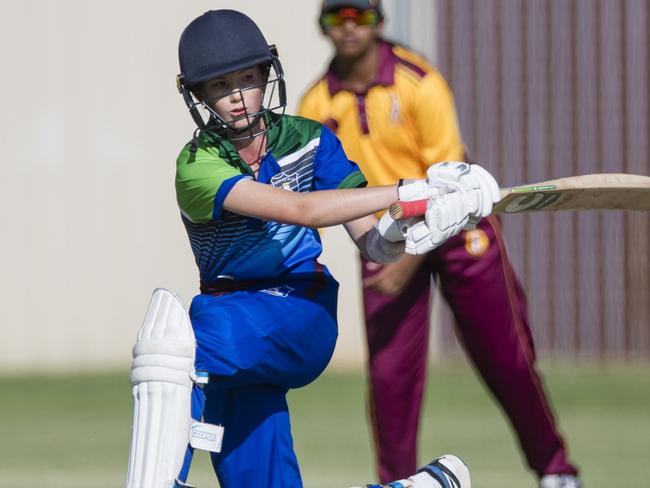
403	123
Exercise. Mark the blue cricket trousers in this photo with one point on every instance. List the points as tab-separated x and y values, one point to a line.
256	344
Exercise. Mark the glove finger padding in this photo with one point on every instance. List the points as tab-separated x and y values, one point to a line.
489	190
418	239
447	212
410	190
490	183
445	218
449	175
464	178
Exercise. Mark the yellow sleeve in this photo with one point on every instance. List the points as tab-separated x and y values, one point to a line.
436	121
311	103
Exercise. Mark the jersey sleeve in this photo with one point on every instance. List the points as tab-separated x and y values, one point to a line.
332	168
203	180
436	121
309	106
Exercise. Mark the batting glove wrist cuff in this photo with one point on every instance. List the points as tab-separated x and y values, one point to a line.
381	250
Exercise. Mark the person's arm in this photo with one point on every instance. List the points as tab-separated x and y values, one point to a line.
314	209
206	185
473	193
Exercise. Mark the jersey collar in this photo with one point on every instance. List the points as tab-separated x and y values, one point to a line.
280	140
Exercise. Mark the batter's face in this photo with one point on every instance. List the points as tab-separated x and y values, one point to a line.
352	32
235	96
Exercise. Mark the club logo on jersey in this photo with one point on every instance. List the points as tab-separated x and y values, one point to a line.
285	181
476	242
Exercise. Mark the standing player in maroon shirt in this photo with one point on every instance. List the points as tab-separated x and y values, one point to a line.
395	116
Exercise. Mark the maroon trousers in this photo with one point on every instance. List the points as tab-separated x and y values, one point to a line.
489	305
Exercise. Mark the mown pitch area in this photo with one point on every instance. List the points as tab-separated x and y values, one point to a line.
73	431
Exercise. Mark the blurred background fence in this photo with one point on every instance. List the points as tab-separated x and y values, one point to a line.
547	89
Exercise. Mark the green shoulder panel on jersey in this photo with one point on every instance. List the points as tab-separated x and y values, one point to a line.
354	180
297	132
292	134
199	175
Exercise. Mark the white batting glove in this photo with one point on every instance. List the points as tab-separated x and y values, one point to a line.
481	188
446	216
410	190
459	195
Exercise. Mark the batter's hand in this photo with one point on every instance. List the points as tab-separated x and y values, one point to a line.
446	216
458	196
480	187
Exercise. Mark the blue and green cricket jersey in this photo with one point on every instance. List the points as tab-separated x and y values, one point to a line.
302	156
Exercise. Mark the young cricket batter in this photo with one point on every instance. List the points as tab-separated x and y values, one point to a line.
252	186
395	116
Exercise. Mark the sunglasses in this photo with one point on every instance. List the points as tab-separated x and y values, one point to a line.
359	17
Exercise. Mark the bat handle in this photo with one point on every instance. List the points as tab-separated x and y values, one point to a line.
404	210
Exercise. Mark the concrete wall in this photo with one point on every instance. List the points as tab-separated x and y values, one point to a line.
91	124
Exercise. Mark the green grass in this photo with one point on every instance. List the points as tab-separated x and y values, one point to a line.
73	431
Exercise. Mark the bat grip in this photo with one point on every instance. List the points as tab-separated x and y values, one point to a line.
404	210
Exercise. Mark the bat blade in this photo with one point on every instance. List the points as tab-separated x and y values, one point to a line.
604	191
601	191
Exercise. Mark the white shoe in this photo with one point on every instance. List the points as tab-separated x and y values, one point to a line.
449	471
559	481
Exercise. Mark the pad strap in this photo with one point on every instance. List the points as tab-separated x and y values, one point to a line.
438	471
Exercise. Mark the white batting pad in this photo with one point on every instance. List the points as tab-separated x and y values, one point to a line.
163	362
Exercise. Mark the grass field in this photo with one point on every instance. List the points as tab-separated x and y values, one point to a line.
73	431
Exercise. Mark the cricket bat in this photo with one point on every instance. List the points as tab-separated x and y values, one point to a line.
602	191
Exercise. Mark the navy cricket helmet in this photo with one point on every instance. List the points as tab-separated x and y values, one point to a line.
220	42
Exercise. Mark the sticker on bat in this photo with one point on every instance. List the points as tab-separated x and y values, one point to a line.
528	189
536	201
